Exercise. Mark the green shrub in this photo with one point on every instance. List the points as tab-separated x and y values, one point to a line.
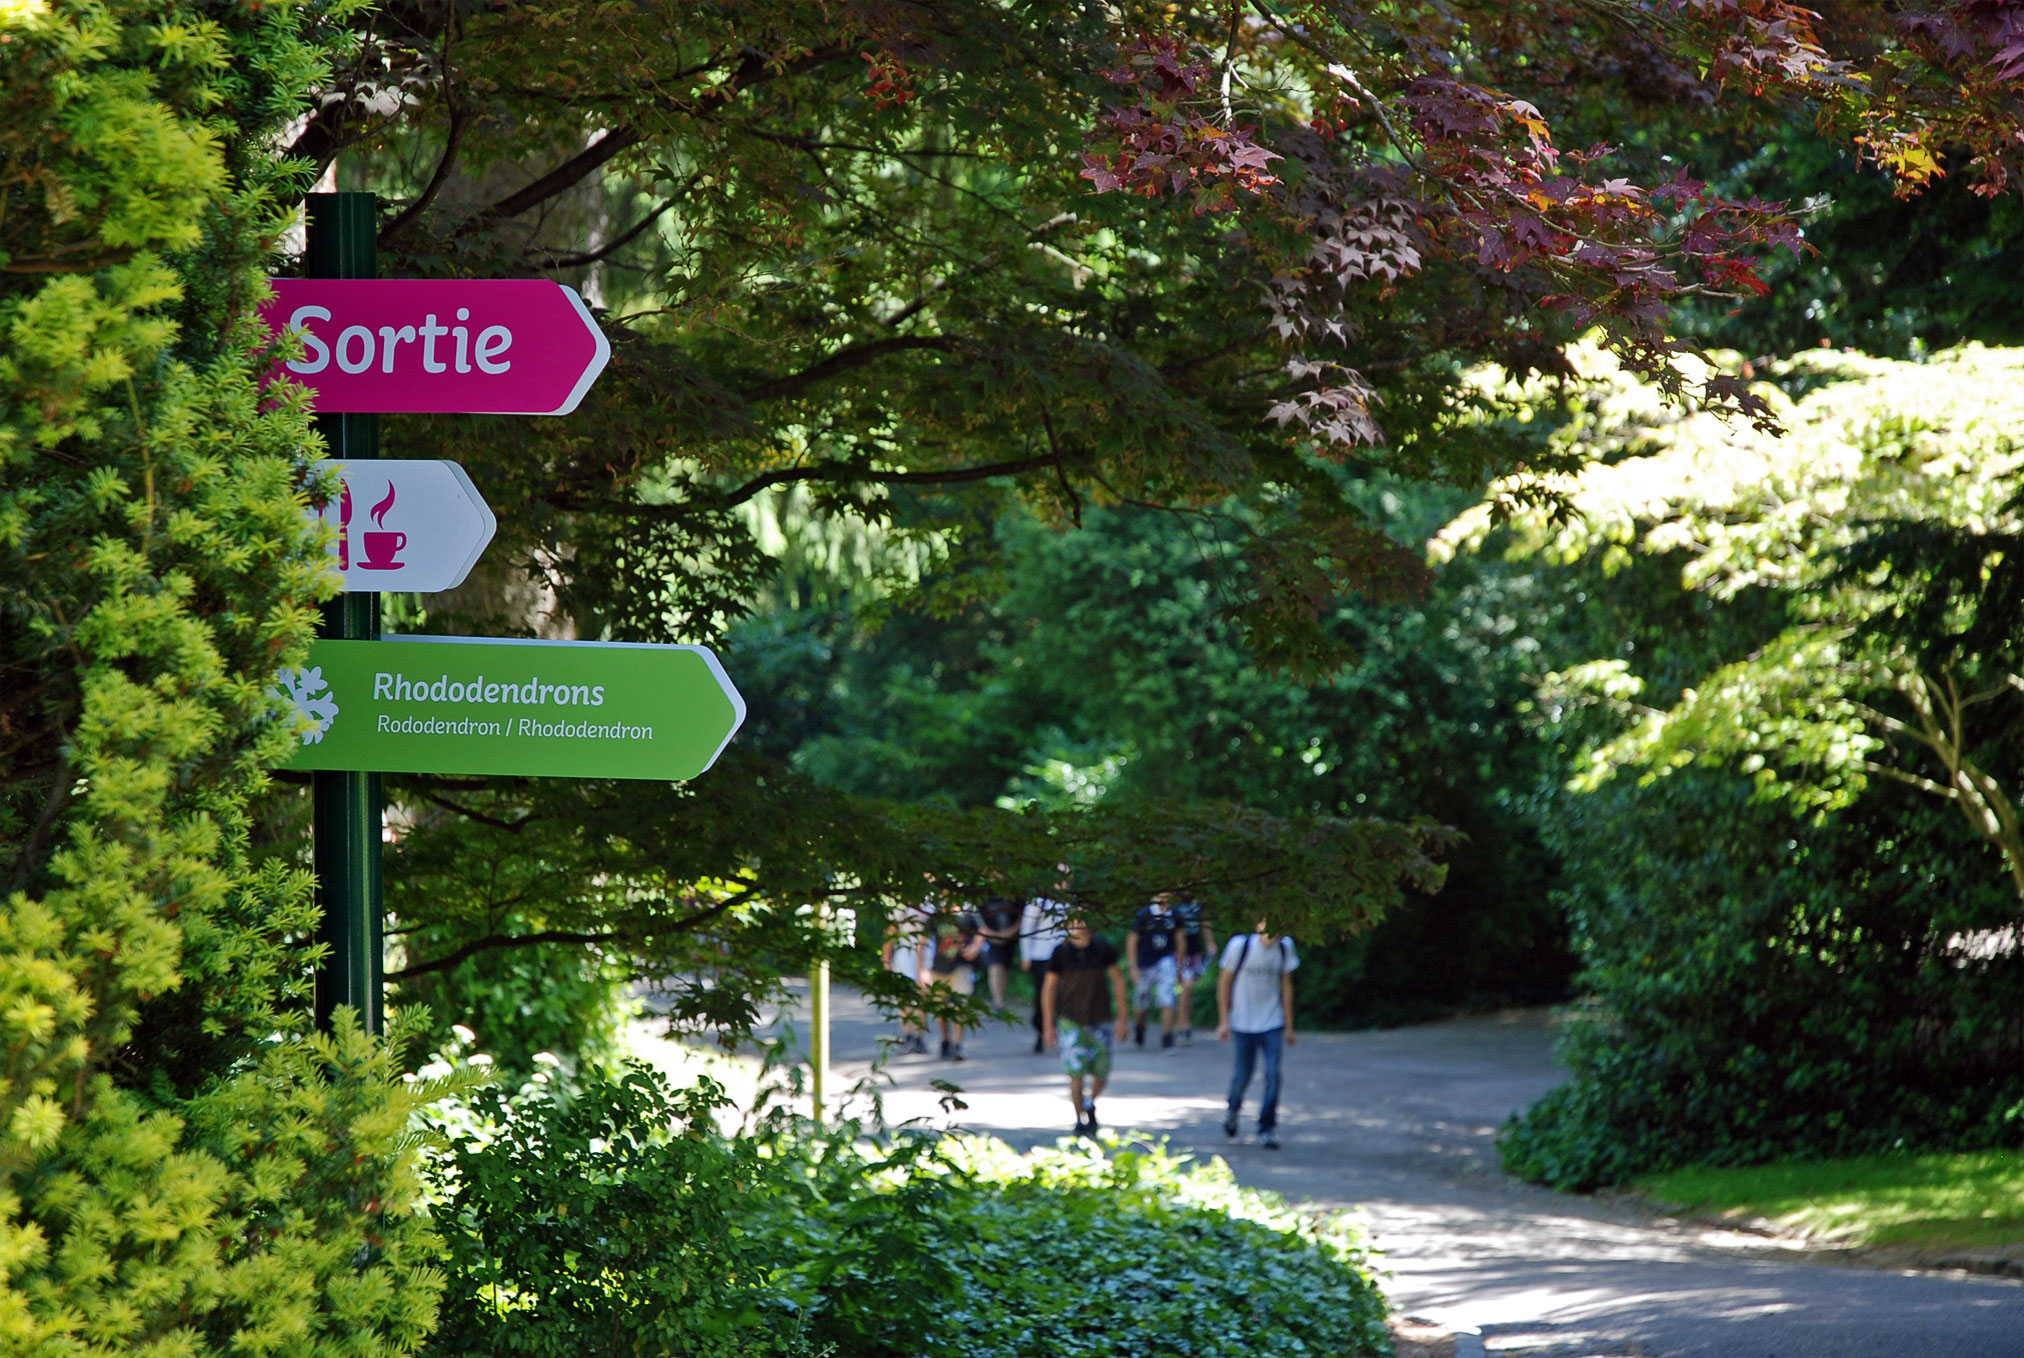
1126	1252
184	1169
567	999
600	1219
1765	988
613	1217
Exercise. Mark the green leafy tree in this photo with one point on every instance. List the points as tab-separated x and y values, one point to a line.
1105	670
1829	700
184	1168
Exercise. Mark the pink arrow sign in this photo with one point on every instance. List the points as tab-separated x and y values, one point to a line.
515	346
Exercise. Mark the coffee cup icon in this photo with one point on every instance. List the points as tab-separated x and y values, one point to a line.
380	550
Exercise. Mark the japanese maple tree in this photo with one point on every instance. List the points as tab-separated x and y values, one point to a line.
903	261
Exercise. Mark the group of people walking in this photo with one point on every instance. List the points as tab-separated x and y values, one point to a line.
1082	1006
949	947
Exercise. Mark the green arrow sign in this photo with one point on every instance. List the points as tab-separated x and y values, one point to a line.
551	709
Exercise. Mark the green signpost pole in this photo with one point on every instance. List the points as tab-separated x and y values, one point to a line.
343	243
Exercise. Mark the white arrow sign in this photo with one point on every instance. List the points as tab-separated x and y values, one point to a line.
407	525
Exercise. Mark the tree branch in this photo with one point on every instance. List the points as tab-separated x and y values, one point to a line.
616	243
452	143
1060	472
1340	69
495	942
1994	691
813	144
843	361
31	847
322	136
558	180
1886	721
1037	236
1918	781
514	825
849	472
77	263
753	70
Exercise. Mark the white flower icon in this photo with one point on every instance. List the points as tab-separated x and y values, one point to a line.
313	701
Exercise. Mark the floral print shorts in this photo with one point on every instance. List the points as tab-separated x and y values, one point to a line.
1084	1050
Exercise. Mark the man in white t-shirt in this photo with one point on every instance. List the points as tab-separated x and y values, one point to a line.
1254	1006
1040	933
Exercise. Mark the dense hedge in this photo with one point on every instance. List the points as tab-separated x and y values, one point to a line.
617	1218
1764	987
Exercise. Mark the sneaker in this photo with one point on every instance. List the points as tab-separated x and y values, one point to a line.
956	1053
1166	1040
1269	1140
1187	1037
1141	1038
1230	1127
1091	1121
945	1049
1039	1045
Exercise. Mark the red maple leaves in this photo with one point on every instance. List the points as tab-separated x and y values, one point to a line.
1165	140
1392	156
1912	86
1448	174
887	80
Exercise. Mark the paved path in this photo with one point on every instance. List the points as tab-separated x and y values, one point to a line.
1399	1125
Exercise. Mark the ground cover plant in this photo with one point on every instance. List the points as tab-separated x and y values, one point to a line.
1932	1204
613	1215
1117	1251
1264	1278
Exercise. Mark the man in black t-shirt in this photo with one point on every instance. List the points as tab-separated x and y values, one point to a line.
1082	1006
1155	938
1000	927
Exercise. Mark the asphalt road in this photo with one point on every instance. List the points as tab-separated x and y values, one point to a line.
1398	1126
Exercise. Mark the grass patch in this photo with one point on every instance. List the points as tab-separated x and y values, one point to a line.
1934	1203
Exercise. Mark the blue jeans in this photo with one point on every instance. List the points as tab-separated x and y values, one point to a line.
1272	1043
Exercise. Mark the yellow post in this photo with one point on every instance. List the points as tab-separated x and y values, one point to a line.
818	990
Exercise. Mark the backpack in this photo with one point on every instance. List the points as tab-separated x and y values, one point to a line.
1245	952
